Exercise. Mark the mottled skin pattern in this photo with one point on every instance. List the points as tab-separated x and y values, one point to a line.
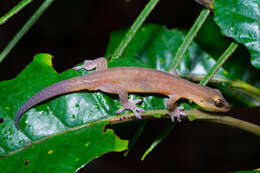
122	80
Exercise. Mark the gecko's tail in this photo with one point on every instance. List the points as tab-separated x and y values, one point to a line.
63	87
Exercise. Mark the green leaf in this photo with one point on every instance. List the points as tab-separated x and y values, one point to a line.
238	65
159	139
64	152
43	126
139	130
155	46
239	19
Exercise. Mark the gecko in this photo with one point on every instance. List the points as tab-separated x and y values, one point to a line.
124	80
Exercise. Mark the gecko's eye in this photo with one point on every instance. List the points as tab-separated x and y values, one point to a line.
219	103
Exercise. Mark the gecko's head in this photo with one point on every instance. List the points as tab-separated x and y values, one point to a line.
213	100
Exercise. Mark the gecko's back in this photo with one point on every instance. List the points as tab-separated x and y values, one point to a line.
137	79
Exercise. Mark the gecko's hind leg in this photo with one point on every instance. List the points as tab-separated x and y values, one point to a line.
99	64
123	96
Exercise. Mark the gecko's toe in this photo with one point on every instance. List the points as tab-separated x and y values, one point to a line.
137	115
140	109
184	114
77	68
87	65
136	101
120	110
172	118
180	108
178	113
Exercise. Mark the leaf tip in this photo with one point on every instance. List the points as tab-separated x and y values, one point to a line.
44	58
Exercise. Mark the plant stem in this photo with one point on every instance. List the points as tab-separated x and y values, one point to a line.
245	86
222	59
24	29
227	120
137	134
189	37
159	139
133	29
14	10
197	115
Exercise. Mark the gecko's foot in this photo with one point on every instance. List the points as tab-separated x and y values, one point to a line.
131	105
178	112
87	65
99	64
174	72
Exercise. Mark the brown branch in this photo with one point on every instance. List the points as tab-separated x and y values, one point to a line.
194	114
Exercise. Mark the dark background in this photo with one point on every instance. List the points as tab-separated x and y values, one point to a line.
76	30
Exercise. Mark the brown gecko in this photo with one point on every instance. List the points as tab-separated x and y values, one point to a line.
122	80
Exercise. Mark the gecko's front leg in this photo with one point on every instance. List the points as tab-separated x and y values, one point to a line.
173	109
123	96
99	64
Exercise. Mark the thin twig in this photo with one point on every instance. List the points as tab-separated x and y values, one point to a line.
134	28
24	29
189	37
14	10
221	60
197	115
